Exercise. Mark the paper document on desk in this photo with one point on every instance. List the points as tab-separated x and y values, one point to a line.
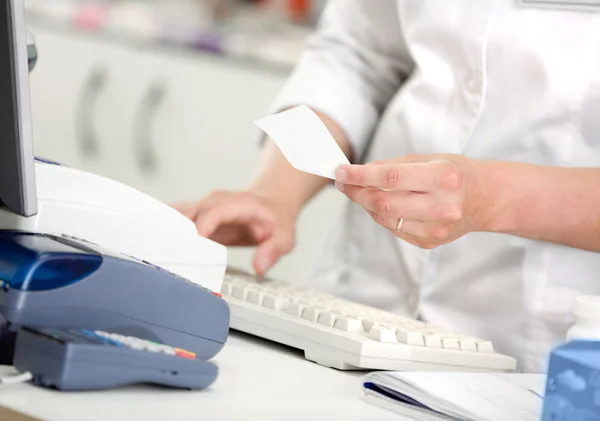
304	141
457	396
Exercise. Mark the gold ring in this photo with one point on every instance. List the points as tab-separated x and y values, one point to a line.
400	223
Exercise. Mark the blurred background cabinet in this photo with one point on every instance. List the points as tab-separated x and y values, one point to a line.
174	124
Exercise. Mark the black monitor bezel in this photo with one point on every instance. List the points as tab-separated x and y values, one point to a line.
17	171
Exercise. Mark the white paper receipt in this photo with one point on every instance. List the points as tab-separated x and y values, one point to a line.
304	141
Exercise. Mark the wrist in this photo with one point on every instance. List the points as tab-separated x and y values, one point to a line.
280	182
284	197
507	191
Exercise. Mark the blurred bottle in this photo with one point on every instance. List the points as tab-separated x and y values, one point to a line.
299	10
587	315
296	11
219	9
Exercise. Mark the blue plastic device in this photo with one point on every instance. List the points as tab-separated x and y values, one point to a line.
88	360
573	382
56	282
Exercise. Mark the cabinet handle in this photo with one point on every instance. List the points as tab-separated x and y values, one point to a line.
143	141
84	119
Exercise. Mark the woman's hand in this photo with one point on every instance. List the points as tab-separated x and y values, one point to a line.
427	200
245	219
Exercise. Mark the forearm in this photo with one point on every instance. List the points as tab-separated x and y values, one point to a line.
350	73
277	178
557	205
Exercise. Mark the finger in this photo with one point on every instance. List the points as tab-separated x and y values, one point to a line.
233	235
406	159
393	205
178	205
212	200
234	212
379	162
420	176
190	211
271	250
242	235
431	232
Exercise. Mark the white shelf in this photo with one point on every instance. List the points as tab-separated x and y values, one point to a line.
247	39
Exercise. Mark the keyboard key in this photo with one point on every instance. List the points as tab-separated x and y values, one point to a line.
467	345
232	281
264	290
410	337
254	297
433	341
312	314
295	309
428	329
368	325
348	325
450	343
327	318
275	302
485	346
239	292
227	288
383	334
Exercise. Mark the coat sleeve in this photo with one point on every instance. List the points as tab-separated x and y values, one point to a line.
354	63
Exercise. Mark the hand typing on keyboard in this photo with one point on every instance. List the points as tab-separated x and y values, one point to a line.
245	219
346	335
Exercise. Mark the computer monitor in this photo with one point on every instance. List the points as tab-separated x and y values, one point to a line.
17	54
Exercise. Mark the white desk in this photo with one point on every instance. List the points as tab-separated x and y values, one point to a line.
258	380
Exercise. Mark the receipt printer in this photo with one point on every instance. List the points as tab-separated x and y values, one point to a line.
573	383
63	282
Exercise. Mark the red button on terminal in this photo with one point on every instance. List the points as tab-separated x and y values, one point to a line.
218	294
185	354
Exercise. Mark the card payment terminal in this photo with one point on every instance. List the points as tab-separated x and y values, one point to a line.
60	282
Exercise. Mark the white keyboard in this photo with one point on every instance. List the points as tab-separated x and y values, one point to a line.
349	336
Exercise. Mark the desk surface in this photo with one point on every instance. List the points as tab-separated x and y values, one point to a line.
259	380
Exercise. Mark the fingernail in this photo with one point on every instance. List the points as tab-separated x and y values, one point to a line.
339	186
263	264
341	175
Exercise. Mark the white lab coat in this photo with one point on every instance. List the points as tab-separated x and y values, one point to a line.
483	78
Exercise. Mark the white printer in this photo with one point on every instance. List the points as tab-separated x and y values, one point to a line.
120	218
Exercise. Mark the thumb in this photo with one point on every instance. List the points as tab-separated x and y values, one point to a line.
271	250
